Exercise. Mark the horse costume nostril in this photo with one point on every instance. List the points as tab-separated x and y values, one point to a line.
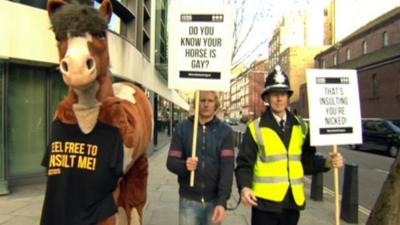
64	67
90	64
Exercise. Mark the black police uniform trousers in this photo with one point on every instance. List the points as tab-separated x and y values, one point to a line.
285	217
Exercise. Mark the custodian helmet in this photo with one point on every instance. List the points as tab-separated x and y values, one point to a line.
276	81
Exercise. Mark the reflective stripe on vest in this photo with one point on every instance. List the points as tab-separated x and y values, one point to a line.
276	167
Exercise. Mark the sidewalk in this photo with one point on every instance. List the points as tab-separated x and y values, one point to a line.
162	204
23	205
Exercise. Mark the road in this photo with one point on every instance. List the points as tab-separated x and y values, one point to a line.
373	168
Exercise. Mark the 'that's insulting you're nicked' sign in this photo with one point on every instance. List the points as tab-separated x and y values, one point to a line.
334	107
200	43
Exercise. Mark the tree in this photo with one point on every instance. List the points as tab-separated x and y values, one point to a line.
245	23
387	207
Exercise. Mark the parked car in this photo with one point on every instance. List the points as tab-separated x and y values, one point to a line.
380	134
231	121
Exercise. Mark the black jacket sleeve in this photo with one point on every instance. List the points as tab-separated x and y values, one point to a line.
227	157
245	161
176	162
312	162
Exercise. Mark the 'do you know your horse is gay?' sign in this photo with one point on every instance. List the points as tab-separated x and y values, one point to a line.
200	45
334	107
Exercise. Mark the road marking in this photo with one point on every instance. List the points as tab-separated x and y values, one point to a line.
328	191
382	171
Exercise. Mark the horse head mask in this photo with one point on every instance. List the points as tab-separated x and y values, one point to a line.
82	41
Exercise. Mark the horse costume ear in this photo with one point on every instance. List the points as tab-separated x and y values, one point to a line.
54	5
106	10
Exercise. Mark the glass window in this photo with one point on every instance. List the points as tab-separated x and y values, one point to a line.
115	21
334	59
58	90
385	39
375	87
348	54
364	47
42	4
2	149
26	119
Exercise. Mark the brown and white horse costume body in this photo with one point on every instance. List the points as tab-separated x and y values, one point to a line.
92	98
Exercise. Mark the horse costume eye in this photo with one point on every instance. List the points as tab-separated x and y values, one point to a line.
100	35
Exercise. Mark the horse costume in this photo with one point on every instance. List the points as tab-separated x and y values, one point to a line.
96	161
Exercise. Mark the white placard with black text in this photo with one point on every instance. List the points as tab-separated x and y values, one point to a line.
200	44
334	107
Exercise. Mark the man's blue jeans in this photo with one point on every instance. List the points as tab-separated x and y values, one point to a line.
195	213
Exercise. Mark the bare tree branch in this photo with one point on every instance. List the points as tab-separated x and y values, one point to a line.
244	28
248	31
248	54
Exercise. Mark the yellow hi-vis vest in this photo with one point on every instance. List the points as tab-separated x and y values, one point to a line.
277	167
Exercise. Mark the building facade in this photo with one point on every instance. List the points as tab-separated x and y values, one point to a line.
245	101
374	51
302	27
295	61
295	42
337	14
31	86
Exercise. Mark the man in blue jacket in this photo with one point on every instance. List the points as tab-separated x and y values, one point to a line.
205	202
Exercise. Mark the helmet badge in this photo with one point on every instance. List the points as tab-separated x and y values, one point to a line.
279	77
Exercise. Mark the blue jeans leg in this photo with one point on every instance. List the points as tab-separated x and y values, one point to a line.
195	213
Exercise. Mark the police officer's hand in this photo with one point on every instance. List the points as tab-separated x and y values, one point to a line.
248	197
218	215
335	160
191	163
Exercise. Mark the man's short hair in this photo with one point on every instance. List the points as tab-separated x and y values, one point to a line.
216	98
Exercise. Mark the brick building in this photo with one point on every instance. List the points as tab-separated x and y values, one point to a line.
374	51
245	102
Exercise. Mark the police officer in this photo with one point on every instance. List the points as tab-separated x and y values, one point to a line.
274	156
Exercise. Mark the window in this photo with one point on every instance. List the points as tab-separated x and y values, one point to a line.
115	22
42	4
26	119
335	59
57	90
35	93
382	127
398	86
385	39
323	64
348	54
2	122
370	125
375	87
364	47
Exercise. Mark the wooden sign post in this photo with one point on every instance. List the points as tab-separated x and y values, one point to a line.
336	183
195	126
199	50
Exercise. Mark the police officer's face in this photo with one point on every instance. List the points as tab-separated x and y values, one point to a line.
278	101
207	104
